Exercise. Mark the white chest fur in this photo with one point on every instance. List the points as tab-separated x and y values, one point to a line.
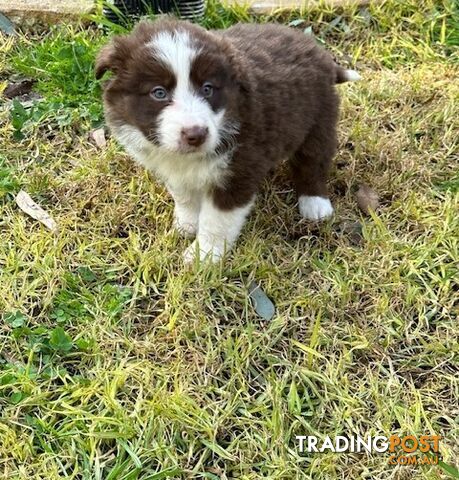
192	172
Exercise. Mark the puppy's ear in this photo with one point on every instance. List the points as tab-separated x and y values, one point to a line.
242	78
114	56
241	75
105	60
239	68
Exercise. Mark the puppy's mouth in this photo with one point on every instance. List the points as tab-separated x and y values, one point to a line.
187	149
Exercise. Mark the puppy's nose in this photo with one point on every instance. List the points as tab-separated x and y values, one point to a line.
194	136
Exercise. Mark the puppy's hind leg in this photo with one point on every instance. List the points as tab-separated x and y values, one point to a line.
310	167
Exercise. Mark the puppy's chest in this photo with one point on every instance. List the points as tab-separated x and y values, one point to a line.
188	172
184	172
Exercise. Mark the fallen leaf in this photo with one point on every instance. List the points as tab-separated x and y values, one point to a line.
261	303
367	199
6	25
27	205
15	89
98	137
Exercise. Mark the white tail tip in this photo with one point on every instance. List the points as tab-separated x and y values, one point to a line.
352	76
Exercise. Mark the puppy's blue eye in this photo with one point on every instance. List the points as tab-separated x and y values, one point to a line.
159	93
207	90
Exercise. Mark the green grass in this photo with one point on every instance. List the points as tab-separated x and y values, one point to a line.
118	362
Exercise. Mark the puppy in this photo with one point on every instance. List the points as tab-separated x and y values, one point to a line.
212	112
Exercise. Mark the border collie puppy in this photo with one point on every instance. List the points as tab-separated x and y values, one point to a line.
212	112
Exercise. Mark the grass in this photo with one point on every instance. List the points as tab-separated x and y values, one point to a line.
117	362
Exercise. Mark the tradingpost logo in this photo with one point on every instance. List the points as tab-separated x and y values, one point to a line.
407	450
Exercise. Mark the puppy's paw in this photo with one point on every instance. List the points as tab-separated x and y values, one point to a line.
186	225
315	208
203	250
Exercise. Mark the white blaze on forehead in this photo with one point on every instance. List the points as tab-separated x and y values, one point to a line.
188	109
174	49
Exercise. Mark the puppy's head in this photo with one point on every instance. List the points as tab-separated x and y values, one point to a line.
175	82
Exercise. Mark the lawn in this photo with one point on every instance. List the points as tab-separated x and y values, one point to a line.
117	361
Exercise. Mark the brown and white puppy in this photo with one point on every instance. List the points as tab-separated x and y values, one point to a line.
211	113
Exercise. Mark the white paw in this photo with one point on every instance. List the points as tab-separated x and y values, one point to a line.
352	76
187	230
186	225
206	251
315	208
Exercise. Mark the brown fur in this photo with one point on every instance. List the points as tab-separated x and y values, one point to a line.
275	81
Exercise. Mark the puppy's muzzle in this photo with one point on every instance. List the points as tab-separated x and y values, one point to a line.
194	136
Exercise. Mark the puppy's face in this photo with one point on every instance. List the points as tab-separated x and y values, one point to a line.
172	81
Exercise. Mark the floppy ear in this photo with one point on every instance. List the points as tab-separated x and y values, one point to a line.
115	54
105	60
241	74
240	70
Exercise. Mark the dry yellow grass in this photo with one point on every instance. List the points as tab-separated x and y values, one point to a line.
117	362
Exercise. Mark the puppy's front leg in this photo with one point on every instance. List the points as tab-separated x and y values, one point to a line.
218	230
186	211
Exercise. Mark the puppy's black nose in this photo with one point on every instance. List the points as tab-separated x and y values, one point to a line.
194	136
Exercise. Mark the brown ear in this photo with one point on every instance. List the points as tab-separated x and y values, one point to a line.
239	68
105	60
241	73
115	54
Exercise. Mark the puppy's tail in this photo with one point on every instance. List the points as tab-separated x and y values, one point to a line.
343	75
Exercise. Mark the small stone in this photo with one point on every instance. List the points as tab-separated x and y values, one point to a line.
98	137
263	306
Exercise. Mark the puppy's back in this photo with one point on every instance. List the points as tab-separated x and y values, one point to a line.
282	53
